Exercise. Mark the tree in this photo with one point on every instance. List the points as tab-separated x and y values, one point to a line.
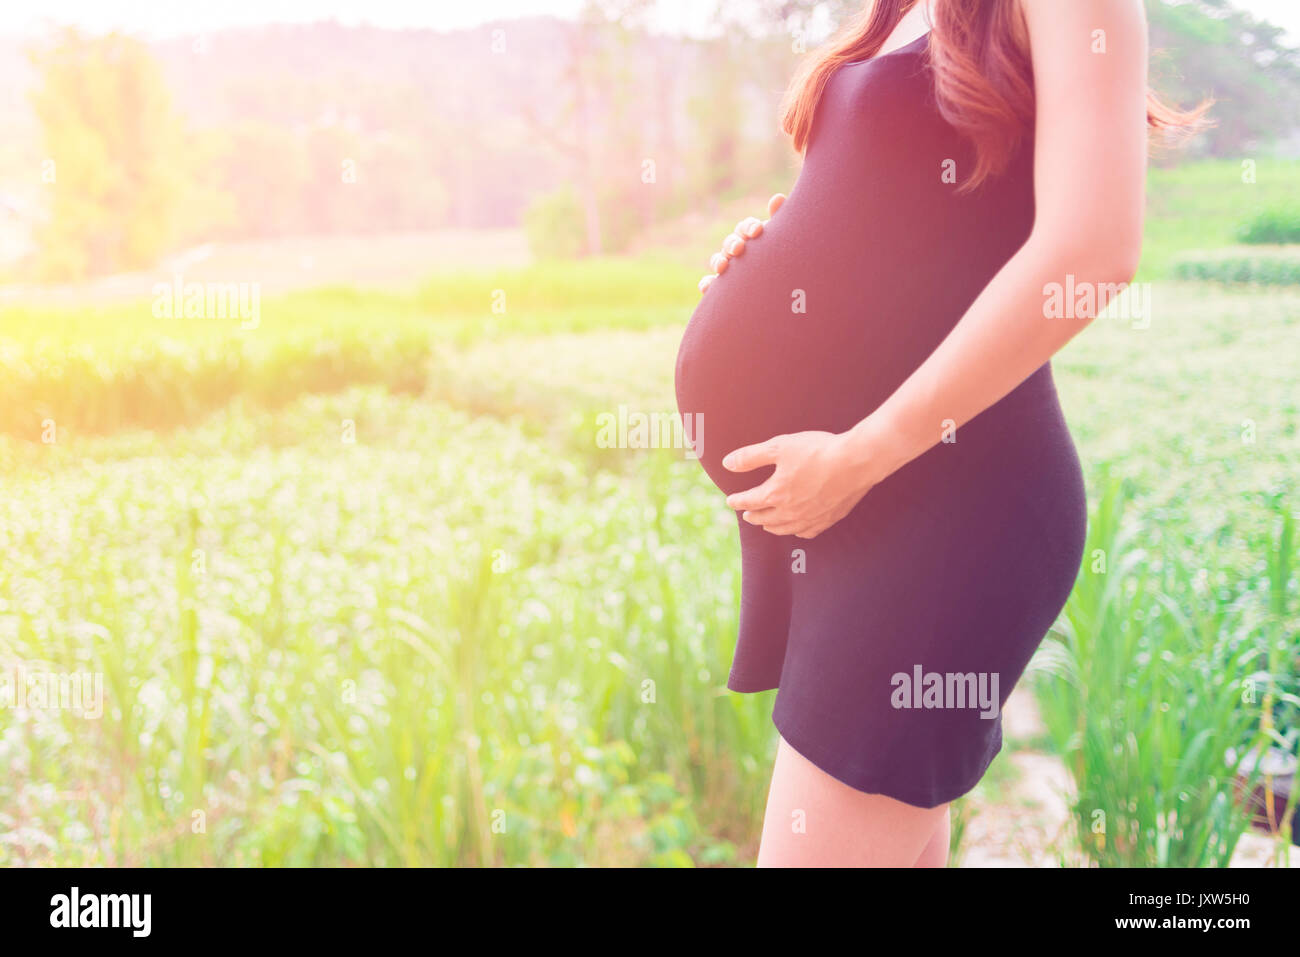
600	91
118	166
1209	48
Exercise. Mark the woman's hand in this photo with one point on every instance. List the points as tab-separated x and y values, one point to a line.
734	245
818	479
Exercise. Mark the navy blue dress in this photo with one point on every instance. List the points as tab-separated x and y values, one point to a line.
895	635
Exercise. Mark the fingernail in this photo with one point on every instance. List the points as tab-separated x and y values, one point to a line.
728	461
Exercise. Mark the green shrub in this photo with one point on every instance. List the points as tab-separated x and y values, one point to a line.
1276	224
1278	266
556	225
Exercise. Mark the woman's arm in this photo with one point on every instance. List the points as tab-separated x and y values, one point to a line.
1089	177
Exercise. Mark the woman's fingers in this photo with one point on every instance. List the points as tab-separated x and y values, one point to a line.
747	228
768	521
734	244
750	457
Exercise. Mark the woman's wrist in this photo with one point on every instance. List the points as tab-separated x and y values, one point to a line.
874	449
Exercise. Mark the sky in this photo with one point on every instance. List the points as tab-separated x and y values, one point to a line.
161	18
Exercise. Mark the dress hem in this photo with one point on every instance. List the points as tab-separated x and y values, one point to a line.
747	685
846	772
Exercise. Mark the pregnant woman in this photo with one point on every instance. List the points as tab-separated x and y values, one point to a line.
873	383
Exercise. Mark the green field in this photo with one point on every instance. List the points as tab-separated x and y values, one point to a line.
363	588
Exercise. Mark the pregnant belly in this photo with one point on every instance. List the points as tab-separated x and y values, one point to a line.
796	335
732	385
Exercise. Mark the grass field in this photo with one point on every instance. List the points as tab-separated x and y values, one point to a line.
363	588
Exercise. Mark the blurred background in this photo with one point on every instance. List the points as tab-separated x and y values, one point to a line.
311	314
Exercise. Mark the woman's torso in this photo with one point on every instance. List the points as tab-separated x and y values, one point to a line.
867	266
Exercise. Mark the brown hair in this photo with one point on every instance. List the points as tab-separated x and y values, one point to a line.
984	82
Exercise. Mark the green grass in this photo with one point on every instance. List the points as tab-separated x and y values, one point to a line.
370	652
1150	688
1204	205
103	369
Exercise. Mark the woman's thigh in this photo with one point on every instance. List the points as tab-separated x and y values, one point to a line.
814	820
936	852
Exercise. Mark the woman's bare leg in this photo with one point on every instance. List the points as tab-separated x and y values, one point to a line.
936	852
813	820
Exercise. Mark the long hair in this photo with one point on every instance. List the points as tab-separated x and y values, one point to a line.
984	84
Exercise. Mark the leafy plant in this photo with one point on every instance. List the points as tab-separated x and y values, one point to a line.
1144	695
